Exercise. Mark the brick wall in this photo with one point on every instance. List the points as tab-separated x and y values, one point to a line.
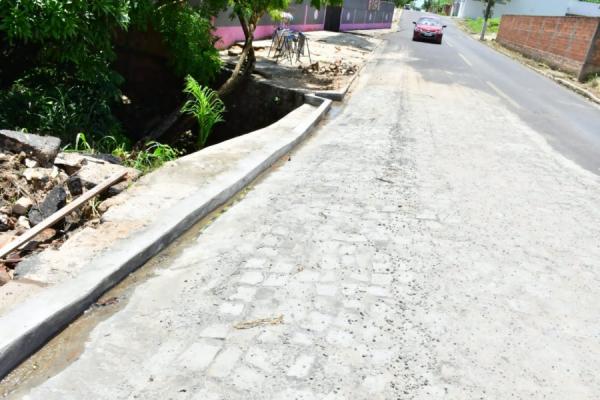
568	43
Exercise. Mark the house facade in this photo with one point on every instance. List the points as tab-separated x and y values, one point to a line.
474	8
352	15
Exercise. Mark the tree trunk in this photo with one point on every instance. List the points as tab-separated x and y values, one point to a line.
245	64
483	29
487	14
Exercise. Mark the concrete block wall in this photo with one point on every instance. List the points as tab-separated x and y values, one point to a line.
567	43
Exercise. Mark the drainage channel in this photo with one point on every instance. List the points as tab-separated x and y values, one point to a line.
69	344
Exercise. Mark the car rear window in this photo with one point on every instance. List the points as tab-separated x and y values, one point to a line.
429	21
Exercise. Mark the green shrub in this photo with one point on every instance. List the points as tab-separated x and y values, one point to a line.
205	105
475	25
151	157
55	74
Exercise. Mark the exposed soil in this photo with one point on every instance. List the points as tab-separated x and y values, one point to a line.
334	58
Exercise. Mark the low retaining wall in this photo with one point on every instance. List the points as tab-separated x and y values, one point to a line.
568	43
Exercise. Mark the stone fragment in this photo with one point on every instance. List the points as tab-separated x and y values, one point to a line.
74	185
42	148
23	222
54	201
22	205
38	174
4	223
70	162
29	163
94	174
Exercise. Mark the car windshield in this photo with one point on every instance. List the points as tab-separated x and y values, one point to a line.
429	22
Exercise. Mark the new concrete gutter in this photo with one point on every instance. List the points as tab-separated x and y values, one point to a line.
200	183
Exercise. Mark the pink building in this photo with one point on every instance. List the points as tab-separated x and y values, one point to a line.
353	15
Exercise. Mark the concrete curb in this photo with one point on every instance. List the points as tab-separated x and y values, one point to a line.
29	326
574	88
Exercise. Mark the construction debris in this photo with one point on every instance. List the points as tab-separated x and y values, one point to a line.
259	322
36	182
337	68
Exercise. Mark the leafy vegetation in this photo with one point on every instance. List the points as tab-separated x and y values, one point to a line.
402	3
436	6
476	25
56	76
150	157
205	105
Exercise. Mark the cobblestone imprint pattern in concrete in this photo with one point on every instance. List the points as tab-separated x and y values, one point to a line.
413	255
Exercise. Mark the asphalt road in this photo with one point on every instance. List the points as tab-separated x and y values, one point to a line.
426	243
569	122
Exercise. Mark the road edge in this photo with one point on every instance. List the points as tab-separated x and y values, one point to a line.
563	82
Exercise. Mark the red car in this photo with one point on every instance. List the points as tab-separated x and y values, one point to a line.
428	28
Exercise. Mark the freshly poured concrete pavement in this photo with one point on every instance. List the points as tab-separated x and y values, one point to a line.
427	242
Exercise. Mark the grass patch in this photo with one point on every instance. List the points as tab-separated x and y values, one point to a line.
476	25
594	81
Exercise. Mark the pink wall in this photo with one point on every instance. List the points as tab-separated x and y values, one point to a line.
231	34
354	27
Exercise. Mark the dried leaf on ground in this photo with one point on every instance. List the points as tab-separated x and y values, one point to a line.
259	322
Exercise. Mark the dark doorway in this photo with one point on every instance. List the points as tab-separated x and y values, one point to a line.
333	16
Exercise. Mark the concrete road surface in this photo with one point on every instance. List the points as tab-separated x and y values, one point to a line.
437	238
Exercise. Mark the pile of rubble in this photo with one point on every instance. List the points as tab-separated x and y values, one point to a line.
36	181
337	68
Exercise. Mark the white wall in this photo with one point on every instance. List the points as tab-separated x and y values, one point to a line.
474	8
583	8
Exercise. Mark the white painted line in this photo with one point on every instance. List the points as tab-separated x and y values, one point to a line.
465	60
503	95
449	44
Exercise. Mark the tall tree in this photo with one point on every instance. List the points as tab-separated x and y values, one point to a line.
249	12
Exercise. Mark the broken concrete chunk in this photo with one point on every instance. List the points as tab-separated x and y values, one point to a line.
4	223
37	174
29	163
54	201
22	205
43	148
93	174
74	185
23	222
70	162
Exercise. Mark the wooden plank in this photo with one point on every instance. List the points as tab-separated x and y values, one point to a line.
60	214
